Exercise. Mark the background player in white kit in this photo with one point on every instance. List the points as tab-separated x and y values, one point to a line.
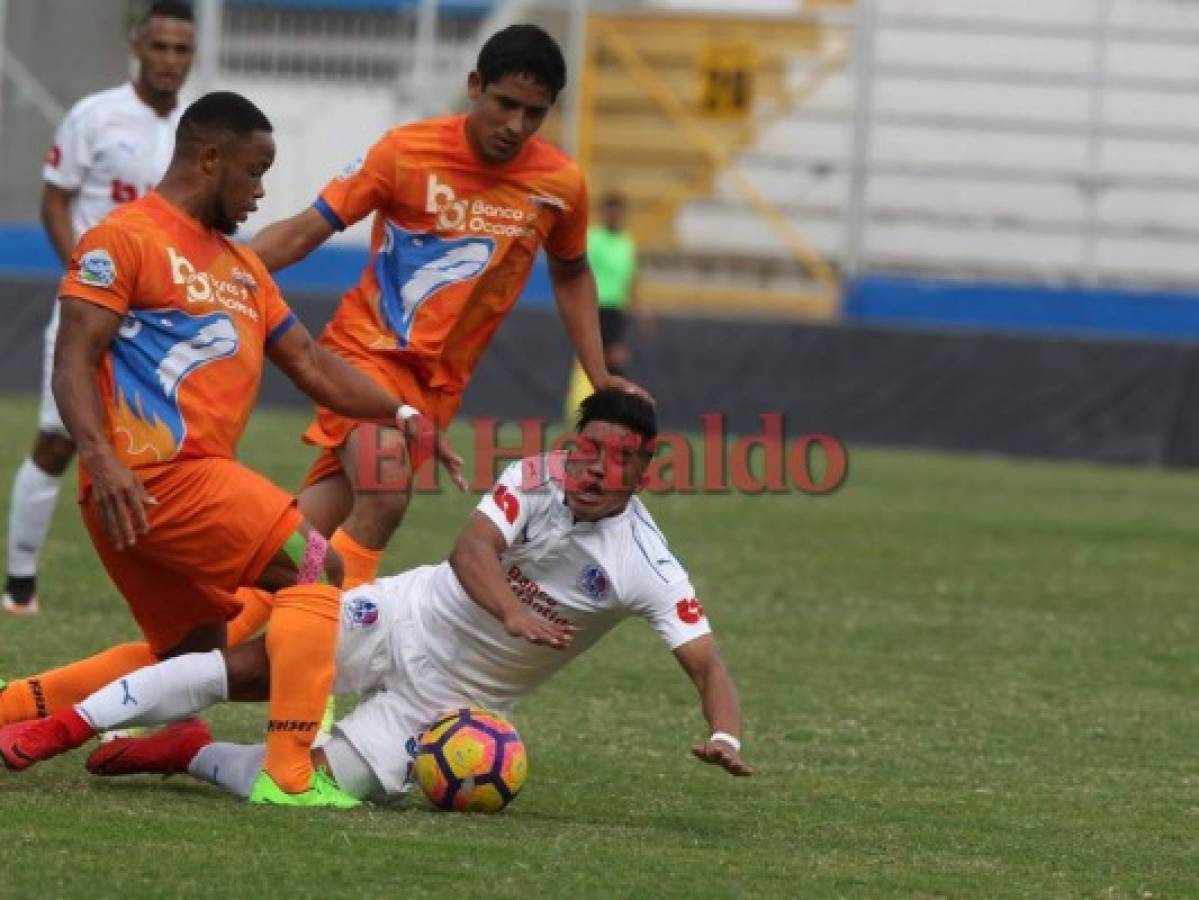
559	553
111	148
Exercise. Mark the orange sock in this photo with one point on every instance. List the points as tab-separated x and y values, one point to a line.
256	609
301	642
361	564
42	695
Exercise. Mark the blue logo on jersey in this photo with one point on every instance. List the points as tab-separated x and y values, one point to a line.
411	267
594	582
152	354
360	612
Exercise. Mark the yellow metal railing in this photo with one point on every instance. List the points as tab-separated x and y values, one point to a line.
603	33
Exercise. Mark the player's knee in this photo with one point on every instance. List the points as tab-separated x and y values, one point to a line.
382	511
379	460
248	671
52	453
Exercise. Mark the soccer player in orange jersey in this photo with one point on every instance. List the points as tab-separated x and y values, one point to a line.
165	324
462	205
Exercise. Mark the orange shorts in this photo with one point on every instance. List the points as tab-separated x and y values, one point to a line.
216	526
330	430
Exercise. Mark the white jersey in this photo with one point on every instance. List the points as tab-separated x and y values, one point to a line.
415	644
110	148
590	574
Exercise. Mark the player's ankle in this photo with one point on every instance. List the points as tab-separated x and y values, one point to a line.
79	730
21	589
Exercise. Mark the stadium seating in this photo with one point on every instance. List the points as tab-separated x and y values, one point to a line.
994	150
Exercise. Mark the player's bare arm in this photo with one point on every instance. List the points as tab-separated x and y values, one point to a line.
702	662
290	240
476	561
332	382
578	307
86	332
328	379
56	217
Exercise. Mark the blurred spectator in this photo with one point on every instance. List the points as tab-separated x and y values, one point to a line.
612	252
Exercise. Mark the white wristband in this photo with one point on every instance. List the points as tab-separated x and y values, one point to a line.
726	738
406	412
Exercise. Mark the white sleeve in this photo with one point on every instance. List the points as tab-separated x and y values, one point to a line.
662	593
71	154
516	497
676	614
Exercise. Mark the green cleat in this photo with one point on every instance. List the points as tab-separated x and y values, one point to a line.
322	791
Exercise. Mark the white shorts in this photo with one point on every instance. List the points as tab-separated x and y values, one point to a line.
48	419
380	657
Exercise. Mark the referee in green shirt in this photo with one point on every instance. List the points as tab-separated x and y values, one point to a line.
612	253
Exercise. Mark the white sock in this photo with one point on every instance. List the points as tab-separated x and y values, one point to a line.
30	510
171	690
233	767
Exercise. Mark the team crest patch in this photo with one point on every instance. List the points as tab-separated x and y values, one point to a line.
97	269
359	612
594	582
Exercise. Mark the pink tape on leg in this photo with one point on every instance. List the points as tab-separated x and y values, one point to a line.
312	568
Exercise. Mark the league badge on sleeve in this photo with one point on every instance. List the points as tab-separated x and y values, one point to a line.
97	269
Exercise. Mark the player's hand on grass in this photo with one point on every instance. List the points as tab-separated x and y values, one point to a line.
523	624
121	498
451	459
719	753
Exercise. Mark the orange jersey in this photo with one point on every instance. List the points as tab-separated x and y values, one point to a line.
180	377
452	244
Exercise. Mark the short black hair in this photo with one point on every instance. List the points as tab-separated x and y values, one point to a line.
167	9
620	407
219	116
523	50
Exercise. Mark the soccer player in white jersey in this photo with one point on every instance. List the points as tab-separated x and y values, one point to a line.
111	148
554	557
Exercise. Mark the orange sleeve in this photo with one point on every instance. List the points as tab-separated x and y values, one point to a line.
104	268
568	238
364	187
278	314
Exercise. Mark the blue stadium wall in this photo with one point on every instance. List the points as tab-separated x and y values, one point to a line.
1056	373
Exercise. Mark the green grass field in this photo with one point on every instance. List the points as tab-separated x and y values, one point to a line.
962	677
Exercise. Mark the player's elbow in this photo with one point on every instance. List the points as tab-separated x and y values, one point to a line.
465	557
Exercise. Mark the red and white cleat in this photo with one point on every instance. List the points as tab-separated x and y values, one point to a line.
24	743
166	752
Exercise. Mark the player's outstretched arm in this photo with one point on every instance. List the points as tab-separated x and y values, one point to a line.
476	561
578	307
290	240
330	380
85	333
701	660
